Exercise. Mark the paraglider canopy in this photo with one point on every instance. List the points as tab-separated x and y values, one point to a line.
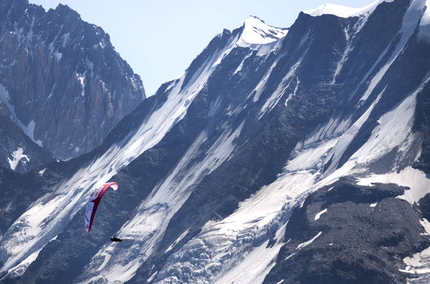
94	201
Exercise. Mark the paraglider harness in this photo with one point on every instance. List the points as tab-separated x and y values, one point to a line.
115	239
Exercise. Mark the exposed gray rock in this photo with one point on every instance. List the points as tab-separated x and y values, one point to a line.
62	81
345	233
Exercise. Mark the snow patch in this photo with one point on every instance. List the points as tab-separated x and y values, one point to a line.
81	79
54	52
424	27
335	127
418	265
305	244
65	38
29	131
343	11
41	172
290	96
57	55
17	157
416	180
177	241
255	31
256	93
320	213
311	157
214	106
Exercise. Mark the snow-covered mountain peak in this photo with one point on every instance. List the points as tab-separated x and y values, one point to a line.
343	11
256	31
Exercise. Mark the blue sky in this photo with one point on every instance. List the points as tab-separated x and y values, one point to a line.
159	39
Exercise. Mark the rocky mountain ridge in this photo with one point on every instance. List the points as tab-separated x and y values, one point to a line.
62	83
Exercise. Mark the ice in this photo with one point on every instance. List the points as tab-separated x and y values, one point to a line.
343	11
320	213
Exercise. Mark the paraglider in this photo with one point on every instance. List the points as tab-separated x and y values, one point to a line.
94	201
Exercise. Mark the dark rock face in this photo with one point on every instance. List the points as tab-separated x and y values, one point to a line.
347	233
62	81
18	151
18	192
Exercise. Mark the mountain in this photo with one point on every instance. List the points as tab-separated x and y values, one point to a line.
296	155
63	87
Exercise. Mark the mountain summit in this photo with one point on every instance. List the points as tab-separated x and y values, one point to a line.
342	11
63	84
256	31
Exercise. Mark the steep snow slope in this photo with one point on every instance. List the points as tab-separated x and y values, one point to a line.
240	256
148	225
343	11
256	31
48	216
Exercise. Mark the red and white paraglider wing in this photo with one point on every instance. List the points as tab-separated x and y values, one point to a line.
113	185
94	201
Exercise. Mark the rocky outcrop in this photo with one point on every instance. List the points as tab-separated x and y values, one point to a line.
345	233
63	82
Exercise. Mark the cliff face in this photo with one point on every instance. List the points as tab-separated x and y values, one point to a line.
62	81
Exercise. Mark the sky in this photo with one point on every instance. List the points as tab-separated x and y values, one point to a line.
159	39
